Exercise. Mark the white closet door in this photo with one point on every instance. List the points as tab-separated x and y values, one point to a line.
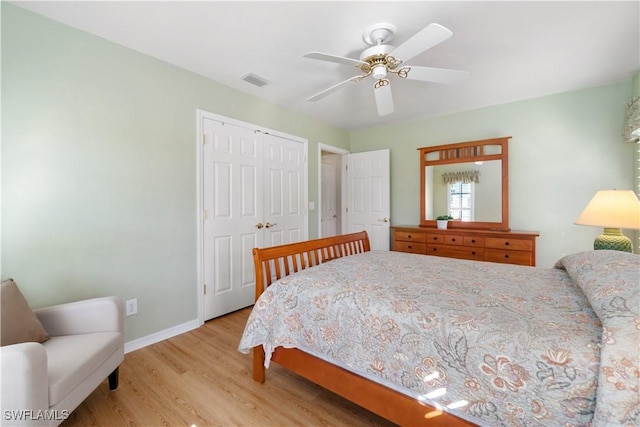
233	201
254	195
284	211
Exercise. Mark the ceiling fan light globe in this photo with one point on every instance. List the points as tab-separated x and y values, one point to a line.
379	72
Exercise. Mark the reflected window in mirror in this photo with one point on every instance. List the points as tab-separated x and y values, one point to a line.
460	201
460	191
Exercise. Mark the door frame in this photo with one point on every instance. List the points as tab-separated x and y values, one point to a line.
343	186
200	215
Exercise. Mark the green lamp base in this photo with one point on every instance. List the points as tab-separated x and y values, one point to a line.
613	239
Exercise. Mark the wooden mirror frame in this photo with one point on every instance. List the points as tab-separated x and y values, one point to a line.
462	152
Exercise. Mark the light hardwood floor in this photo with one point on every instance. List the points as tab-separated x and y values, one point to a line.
200	379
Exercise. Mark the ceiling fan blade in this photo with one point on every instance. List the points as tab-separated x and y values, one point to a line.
424	39
333	58
333	88
436	75
384	99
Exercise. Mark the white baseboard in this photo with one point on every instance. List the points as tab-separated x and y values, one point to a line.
161	335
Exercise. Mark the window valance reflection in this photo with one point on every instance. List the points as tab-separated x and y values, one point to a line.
465	177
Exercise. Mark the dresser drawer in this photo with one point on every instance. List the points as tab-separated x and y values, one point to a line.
409	236
413	247
474	241
435	238
506	243
509	257
452	239
456	252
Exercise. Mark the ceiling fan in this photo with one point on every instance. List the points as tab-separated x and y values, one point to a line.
382	59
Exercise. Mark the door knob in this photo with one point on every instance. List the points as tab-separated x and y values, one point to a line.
268	225
384	220
259	225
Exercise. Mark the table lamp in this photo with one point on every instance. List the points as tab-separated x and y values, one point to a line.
613	210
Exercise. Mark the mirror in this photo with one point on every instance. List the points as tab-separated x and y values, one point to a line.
483	202
467	180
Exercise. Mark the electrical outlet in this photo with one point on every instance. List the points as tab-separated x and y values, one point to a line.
132	306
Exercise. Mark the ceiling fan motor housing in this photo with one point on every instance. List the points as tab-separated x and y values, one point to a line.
377	64
380	50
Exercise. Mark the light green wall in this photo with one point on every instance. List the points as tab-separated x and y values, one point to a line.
564	148
99	168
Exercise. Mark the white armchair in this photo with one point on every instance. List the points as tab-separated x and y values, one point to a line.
41	384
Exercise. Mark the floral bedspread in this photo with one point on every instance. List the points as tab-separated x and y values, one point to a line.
493	343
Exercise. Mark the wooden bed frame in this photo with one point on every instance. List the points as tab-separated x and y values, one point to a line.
279	261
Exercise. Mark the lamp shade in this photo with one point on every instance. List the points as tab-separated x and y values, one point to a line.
612	209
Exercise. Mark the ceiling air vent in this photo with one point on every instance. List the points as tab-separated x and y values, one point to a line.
255	80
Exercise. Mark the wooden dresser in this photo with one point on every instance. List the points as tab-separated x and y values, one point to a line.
511	247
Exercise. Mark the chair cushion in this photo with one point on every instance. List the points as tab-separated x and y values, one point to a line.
19	322
73	358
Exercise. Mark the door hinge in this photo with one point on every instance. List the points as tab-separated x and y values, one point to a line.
204	214
205	289
204	139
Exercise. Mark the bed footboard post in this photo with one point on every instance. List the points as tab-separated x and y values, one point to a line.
258	364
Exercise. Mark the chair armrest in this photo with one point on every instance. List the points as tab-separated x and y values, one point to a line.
24	378
81	317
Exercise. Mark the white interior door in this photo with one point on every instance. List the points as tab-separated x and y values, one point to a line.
368	196
253	195
330	195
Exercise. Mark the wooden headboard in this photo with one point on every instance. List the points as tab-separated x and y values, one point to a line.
276	262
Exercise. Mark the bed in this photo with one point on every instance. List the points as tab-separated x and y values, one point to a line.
437	341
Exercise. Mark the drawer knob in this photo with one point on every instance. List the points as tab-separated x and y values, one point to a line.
506	256
409	247
473	252
473	240
409	236
453	239
506	243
